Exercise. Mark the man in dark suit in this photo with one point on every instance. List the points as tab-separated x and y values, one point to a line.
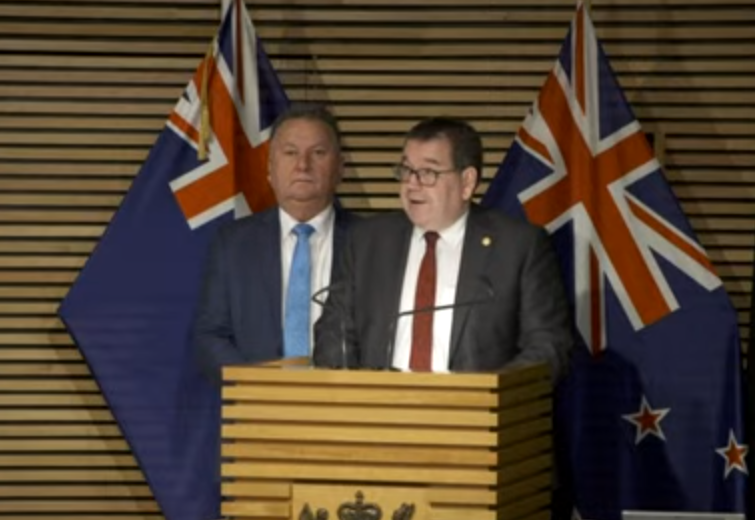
262	269
500	274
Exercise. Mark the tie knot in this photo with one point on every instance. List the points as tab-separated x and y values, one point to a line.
431	237
303	230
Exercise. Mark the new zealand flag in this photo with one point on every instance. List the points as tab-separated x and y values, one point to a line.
650	417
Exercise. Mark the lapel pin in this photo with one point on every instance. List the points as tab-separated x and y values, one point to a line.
486	241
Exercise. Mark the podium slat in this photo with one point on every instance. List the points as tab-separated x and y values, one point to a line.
526	506
530	391
526	468
456	496
462	496
523	450
360	473
441	513
524	431
441	456
544	514
535	485
362	415
294	375
364	435
529	410
361	396
256	509
252	489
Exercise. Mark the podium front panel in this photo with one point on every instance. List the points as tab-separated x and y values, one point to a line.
464	446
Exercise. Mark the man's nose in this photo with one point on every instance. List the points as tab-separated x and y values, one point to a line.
303	161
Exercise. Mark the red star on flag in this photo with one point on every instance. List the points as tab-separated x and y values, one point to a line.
647	421
734	454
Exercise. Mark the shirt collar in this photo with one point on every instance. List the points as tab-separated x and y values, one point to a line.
320	222
452	235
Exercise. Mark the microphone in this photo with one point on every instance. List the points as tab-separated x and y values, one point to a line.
488	297
316	298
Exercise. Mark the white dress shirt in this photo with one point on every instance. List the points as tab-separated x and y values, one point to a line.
448	251
321	253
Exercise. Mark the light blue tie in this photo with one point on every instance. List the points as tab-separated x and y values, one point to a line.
296	328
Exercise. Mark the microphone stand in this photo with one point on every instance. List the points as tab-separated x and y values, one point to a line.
342	322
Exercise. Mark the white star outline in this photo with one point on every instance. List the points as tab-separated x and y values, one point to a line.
645	410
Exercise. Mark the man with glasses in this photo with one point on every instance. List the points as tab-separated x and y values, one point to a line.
445	285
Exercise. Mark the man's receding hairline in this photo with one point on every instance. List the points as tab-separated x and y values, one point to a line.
332	138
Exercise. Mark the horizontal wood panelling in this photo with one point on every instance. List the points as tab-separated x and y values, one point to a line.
38	354
68	461
57	431
358	127
58	516
148	68
99	201
46	369
430	103
86	85
127	505
633	83
79	386
76	491
362	50
42	308
488	36
25	293
493	12
71	475
441	3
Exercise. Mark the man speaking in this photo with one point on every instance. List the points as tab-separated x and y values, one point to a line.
444	285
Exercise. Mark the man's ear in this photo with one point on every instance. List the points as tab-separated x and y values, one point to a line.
469	182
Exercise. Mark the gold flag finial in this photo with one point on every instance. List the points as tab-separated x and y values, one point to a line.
204	107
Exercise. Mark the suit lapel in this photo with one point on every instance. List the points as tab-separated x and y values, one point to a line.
340	227
395	252
470	285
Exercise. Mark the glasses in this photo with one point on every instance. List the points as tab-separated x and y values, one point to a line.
425	176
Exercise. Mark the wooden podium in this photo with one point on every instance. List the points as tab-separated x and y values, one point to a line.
299	442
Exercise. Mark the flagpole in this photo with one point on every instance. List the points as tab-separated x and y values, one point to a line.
223	5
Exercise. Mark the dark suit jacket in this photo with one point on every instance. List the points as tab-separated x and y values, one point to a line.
508	263
238	319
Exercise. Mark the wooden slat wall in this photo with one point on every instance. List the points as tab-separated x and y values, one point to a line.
85	86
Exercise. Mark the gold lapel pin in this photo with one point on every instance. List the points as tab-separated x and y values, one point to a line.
486	241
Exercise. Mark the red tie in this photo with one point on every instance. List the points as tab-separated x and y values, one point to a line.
422	328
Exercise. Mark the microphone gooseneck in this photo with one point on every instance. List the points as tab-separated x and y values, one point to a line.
316	297
488	297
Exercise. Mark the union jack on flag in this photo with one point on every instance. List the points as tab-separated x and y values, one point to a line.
650	417
242	109
132	305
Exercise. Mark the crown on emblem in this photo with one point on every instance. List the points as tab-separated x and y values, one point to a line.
358	510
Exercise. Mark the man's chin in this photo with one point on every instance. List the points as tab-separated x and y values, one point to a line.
308	198
304	193
418	217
